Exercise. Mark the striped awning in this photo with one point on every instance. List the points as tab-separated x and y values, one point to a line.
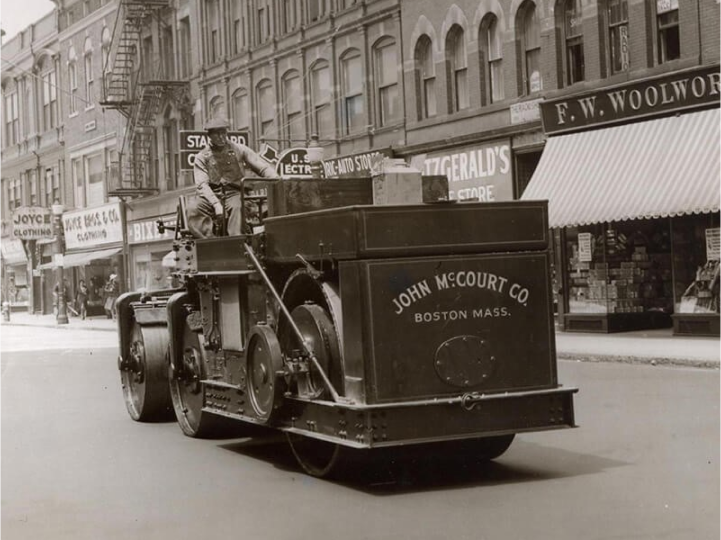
657	168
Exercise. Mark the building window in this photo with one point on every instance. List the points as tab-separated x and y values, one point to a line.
669	39
88	72
457	69
12	118
52	186
293	126
216	108
78	182
267	109
212	17
172	157
241	118
94	183
106	43
352	78
573	41
263	20
16	194
34	199
387	95
425	78
618	35
315	10
239	17
50	99
530	58
290	15
184	48
322	119
492	56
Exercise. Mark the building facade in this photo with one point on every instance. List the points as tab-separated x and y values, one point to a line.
59	146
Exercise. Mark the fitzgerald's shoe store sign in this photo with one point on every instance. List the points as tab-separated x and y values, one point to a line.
680	90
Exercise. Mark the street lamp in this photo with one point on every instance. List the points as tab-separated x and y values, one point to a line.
62	315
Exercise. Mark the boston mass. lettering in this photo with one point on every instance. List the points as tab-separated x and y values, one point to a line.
468	279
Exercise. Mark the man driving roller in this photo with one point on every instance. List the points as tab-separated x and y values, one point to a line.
218	170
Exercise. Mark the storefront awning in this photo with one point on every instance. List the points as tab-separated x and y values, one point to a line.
81	259
657	168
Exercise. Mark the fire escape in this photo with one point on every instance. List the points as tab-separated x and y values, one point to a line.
137	88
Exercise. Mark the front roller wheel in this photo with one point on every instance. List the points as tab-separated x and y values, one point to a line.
187	392
144	374
318	458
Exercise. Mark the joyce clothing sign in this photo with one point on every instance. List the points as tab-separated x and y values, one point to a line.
93	227
479	172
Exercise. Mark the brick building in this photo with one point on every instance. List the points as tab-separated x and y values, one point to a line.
58	142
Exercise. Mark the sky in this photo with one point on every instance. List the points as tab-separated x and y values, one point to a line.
16	15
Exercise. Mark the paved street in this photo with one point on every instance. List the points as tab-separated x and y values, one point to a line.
643	464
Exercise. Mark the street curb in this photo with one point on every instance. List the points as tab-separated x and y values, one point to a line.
60	326
639	360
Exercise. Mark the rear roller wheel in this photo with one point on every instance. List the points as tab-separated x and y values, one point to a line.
187	391
487	448
144	374
318	458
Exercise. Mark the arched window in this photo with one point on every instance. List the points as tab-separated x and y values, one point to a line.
569	21
491	46
241	116
425	77
88	72
385	58
352	85
216	108
106	42
293	124
457	63
49	93
266	107
320	97
530	46
73	80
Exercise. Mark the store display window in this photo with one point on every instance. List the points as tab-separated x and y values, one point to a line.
622	267
148	270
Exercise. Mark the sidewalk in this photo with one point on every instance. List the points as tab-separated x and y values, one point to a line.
655	347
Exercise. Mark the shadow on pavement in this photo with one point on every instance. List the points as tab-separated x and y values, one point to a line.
418	469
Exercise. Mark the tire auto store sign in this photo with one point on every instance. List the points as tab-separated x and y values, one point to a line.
355	165
93	227
480	172
32	223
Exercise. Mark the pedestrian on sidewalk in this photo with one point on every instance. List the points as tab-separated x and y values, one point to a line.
81	299
56	295
112	289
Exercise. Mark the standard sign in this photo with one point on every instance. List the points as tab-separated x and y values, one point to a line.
192	142
32	223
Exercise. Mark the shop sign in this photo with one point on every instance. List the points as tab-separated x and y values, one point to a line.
93	226
713	244
13	251
294	163
354	165
585	247
649	97
32	223
526	111
192	142
481	172
146	230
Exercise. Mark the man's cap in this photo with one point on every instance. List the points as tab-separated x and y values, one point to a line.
216	123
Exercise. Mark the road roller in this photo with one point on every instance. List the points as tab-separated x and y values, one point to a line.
353	327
